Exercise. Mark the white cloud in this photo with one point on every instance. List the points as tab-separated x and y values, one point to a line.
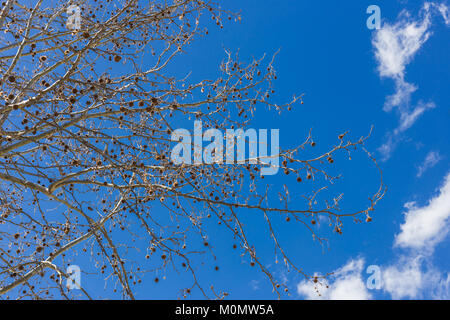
408	118
401	97
425	226
414	277
442	290
346	283
411	274
388	147
404	279
444	12
441	8
395	47
432	158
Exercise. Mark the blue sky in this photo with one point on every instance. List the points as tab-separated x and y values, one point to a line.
349	75
328	53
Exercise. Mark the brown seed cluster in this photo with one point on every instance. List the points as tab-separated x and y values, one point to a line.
86	153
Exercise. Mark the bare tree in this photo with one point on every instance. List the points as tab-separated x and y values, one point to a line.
85	149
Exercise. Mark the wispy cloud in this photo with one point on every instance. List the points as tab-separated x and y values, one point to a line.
395	47
443	10
425	226
432	158
346	283
407	119
442	290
